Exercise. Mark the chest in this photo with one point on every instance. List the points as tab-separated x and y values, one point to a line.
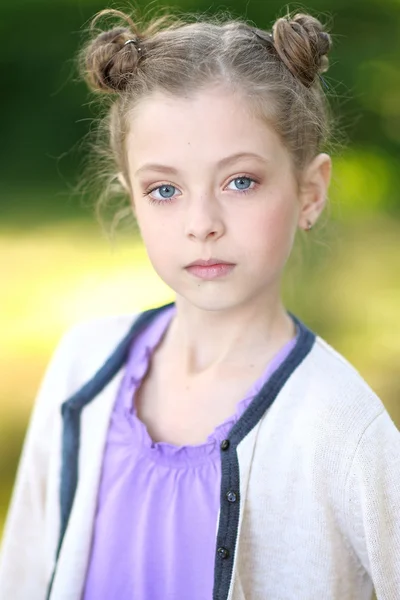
187	412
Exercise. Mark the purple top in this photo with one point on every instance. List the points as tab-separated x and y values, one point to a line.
156	522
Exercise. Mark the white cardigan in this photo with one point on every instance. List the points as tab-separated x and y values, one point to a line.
319	514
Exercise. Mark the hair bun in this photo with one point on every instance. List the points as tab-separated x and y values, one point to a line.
109	62
302	44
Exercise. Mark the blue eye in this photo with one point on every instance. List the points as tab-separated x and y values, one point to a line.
242	183
166	191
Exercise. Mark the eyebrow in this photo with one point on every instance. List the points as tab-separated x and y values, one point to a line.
222	163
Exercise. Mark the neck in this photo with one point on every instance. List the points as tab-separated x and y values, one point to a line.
200	340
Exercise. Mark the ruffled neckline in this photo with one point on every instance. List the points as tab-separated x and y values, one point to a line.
136	368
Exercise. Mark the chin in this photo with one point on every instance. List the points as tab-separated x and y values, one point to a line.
211	299
214	295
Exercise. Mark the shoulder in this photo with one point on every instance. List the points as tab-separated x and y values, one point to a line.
335	415
336	391
86	345
80	352
100	331
336	373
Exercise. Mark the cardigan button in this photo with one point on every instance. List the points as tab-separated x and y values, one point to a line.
224	444
223	552
231	496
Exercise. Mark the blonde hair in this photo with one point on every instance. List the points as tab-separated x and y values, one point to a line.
278	72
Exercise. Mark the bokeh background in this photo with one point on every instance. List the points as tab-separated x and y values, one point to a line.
57	266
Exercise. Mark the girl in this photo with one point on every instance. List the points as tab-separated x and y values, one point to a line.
216	447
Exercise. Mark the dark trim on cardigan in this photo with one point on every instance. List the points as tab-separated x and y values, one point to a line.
71	412
229	511
230	474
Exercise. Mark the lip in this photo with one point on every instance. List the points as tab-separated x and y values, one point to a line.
208	263
212	271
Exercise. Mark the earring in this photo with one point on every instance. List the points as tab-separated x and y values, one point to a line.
309	225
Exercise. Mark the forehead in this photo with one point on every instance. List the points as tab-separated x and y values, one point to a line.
205	126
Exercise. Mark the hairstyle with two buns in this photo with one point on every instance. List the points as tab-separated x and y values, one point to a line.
277	72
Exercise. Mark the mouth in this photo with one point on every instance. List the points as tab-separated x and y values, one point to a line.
211	262
213	268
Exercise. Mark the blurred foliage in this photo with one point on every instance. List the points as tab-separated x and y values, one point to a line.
47	112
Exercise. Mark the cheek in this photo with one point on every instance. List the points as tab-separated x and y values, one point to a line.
271	232
158	236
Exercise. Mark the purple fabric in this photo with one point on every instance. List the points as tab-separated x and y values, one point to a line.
156	521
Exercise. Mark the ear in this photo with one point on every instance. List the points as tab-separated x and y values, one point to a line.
314	189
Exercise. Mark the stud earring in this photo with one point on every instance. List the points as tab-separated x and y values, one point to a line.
309	226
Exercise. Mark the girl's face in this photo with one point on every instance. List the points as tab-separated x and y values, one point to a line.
208	180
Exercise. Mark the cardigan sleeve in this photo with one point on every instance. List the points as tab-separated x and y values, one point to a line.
23	572
373	505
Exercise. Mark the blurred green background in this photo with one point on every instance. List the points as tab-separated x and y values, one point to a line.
57	267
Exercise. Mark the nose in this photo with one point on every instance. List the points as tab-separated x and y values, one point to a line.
203	218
